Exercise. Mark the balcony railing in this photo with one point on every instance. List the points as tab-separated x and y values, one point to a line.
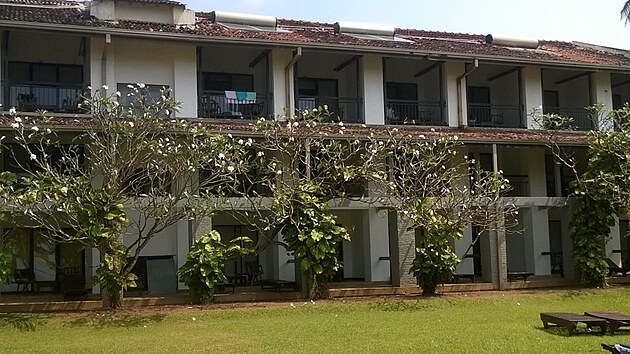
414	112
51	97
496	116
520	186
581	117
216	104
345	109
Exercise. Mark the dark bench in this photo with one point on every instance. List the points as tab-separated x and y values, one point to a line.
616	348
571	320
516	275
278	285
614	268
615	319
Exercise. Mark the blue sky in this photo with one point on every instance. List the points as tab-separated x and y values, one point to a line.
592	21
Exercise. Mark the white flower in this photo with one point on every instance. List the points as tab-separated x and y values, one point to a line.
105	87
230	169
64	190
261	153
15	125
341	124
48	130
433	129
221	156
18	119
141	85
229	136
421	136
314	110
279	172
33	157
240	141
131	124
326	107
35	128
130	86
295	124
249	142
117	93
12	110
455	138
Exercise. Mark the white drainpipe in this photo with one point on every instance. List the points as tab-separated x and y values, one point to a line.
460	97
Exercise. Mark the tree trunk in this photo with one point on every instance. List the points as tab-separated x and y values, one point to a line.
115	297
319	287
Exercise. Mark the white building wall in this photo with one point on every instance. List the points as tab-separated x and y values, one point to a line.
531	81
466	266
376	245
142	61
451	71
185	79
372	87
283	89
613	243
601	92
353	250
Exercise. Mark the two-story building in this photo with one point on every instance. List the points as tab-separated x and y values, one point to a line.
227	68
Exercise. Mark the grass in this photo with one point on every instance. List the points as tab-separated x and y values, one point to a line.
474	323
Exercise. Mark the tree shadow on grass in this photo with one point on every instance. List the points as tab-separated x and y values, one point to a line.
574	294
106	320
27	322
400	305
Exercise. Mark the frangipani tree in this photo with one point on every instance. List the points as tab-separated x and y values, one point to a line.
132	171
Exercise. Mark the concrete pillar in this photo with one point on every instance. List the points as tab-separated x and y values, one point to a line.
536	233
280	58
371	83
601	92
613	244
376	245
534	161
450	72
466	266
183	246
203	227
185	79
286	265
95	257
567	242
98	59
406	250
532	91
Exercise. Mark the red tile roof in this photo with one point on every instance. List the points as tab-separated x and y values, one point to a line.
315	33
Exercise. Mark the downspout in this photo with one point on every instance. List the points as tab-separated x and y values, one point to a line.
460	97
288	81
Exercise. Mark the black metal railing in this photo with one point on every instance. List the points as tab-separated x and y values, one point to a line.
215	104
519	186
414	112
581	117
496	116
345	109
29	97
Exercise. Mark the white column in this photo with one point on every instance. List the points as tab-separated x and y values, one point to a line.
95	257
286	268
601	92
376	246
614	243
372	89
531	81
183	246
451	71
567	241
534	159
185	79
536	235
280	58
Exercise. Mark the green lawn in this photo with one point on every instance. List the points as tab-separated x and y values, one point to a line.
497	323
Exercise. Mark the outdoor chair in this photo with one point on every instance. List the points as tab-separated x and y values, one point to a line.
571	320
615	319
253	272
614	268
23	278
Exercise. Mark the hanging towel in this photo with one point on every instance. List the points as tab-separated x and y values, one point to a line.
230	95
245	96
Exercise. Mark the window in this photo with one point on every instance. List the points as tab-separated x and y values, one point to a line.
61	157
227	82
45	73
401	91
479	95
550	101
317	87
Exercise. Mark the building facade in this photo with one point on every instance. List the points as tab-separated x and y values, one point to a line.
228	68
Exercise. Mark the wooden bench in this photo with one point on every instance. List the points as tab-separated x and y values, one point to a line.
616	348
615	319
278	285
571	320
516	275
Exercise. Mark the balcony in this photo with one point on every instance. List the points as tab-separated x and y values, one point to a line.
29	97
495	116
581	117
345	109
402	112
520	186
232	105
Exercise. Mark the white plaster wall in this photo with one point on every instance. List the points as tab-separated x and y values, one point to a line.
623	90
280	58
601	92
185	79
148	62
571	94
403	71
163	243
372	86
466	266
531	81
376	245
534	161
451	71
503	91
613	243
143	12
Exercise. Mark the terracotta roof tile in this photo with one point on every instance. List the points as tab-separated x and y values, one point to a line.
305	32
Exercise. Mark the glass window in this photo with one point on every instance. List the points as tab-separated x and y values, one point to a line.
19	71
227	82
44	73
401	91
71	74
